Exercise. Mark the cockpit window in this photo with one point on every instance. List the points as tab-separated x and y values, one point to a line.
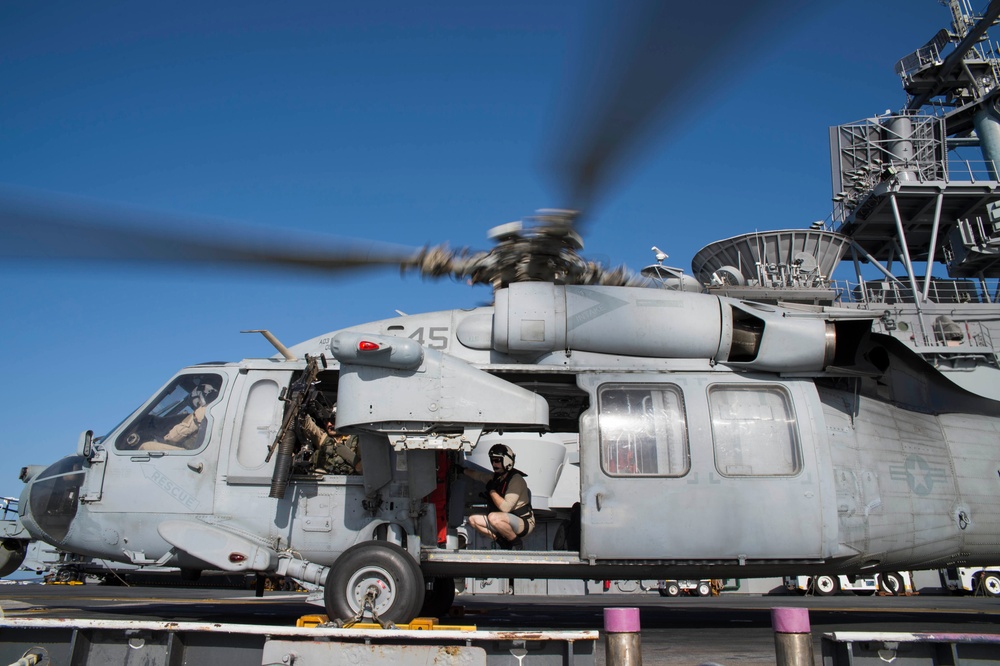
55	495
177	420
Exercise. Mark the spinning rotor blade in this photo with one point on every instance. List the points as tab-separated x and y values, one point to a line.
58	228
656	60
653	62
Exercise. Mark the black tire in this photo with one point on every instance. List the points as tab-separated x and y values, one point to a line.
438	598
704	589
826	586
422	591
891	584
991	584
387	567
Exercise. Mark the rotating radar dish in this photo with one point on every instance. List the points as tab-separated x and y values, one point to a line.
729	276
807	263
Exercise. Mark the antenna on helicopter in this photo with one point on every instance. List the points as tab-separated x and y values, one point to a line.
282	349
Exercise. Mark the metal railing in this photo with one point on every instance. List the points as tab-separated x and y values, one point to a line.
937	330
969	171
9	507
953	171
887	292
918	60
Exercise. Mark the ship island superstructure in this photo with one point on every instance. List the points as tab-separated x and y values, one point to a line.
916	210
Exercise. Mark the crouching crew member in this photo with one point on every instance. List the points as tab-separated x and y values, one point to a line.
511	518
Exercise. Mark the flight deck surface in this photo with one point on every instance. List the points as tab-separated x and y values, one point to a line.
730	629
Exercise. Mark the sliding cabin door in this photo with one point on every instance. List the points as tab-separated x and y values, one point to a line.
689	467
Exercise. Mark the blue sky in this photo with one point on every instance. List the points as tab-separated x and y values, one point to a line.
410	123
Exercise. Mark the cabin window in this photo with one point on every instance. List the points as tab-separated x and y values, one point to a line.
754	431
178	418
260	423
643	430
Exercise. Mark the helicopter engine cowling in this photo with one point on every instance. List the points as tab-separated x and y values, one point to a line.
543	317
764	337
538	317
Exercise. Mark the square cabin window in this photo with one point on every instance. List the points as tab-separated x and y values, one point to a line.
754	431
643	430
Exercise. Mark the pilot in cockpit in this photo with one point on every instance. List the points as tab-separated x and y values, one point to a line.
187	433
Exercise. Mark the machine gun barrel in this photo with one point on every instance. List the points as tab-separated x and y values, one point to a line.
284	441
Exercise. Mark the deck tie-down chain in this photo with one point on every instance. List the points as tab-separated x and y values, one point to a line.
367	604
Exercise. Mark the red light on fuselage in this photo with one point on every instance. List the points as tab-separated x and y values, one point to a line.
367	346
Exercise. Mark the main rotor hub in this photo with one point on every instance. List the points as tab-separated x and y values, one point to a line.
541	248
547	224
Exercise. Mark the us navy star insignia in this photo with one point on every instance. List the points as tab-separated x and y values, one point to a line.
919	475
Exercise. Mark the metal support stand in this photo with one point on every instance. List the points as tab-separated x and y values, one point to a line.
623	645
792	637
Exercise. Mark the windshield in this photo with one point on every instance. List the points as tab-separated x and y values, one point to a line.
54	497
177	419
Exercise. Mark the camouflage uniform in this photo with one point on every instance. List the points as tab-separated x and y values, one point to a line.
336	454
339	455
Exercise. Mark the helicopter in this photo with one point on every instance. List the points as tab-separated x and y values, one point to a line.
741	433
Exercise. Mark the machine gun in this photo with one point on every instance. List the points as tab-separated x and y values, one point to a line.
284	442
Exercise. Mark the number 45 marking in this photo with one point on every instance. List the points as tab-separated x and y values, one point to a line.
437	337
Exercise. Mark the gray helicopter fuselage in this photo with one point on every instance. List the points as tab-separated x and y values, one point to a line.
713	435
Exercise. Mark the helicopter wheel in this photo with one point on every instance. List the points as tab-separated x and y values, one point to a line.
383	572
438	598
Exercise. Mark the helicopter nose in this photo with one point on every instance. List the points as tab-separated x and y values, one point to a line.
49	502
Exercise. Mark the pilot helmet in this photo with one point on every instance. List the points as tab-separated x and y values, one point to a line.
504	454
203	394
322	414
